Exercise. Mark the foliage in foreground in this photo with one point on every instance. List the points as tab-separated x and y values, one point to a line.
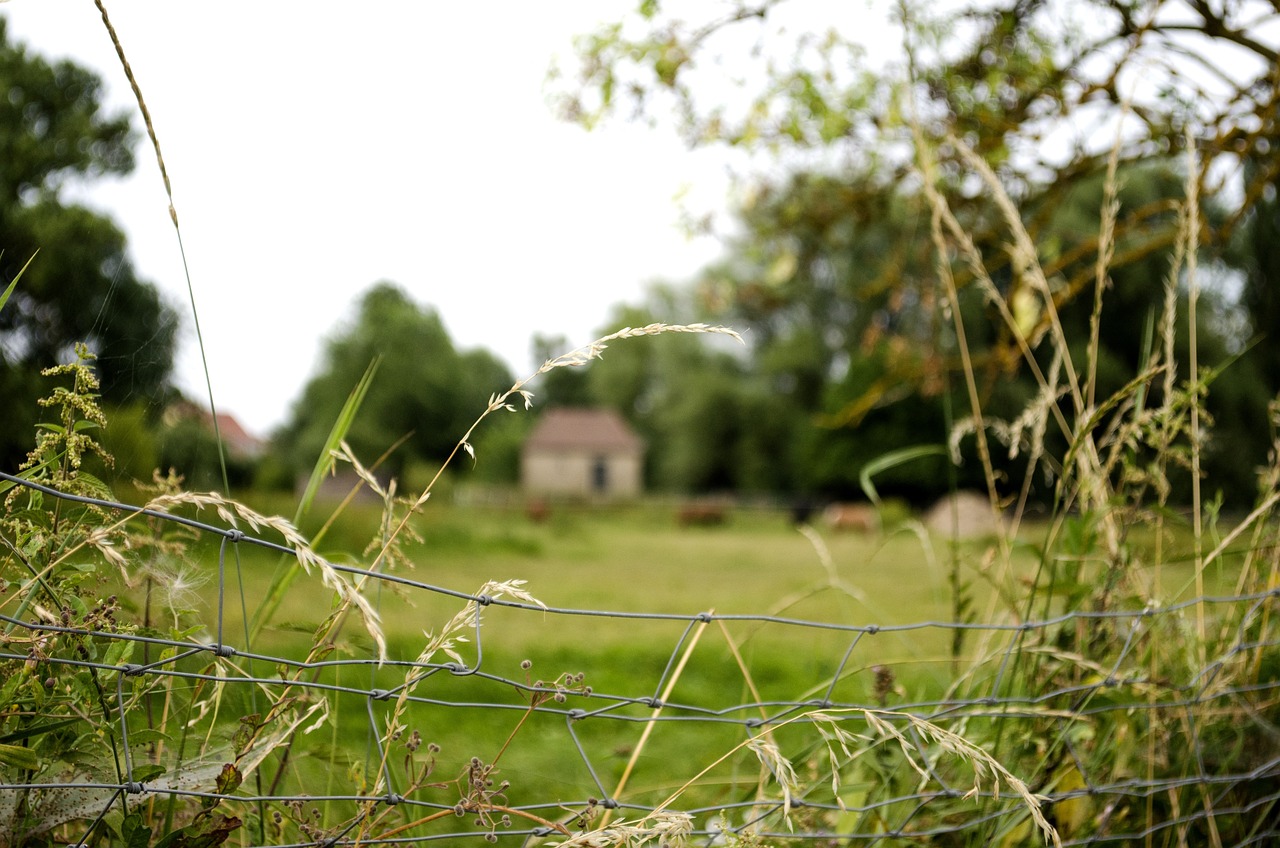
1073	727
1103	712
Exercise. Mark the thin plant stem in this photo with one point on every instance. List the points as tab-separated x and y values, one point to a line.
1192	223
653	717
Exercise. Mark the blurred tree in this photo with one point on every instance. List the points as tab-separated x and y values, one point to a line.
1025	84
425	389
80	286
709	420
835	270
1258	255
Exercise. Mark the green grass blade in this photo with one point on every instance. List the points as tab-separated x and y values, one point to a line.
341	426
285	575
4	298
891	460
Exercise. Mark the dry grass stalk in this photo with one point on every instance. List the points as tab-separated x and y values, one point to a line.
233	512
649	726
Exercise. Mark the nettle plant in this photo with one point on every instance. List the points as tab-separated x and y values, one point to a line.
69	635
92	597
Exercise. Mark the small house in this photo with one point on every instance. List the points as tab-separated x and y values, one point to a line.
582	452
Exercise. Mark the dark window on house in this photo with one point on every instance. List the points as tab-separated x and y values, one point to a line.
600	474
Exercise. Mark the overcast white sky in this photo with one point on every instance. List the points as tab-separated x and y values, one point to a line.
316	148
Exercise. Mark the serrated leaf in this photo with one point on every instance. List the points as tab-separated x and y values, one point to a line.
228	781
118	653
134	831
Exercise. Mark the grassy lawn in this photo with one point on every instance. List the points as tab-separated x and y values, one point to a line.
626	562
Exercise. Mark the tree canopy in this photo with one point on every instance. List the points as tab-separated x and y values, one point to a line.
424	396
78	284
833	260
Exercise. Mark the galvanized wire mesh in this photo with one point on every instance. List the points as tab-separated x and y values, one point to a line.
1065	737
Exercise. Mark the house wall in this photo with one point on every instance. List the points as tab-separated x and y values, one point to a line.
574	473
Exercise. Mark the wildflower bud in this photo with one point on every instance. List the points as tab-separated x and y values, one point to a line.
526	664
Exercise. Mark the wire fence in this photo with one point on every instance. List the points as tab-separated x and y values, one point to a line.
1077	717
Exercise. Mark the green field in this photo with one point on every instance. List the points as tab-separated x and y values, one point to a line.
635	560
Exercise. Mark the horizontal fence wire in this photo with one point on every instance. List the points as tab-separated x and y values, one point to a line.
906	775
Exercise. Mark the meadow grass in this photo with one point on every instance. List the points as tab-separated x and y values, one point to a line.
635	560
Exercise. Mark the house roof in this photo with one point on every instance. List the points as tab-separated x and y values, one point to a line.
239	440
582	429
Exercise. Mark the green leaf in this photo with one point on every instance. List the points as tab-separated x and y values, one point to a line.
134	831
285	576
4	299
341	426
228	781
244	733
19	757
204	832
147	736
118	653
31	730
891	460
147	773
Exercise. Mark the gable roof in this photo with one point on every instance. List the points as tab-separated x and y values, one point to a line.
582	429
238	439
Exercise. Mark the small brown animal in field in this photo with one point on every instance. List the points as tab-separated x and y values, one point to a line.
538	510
859	518
700	515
